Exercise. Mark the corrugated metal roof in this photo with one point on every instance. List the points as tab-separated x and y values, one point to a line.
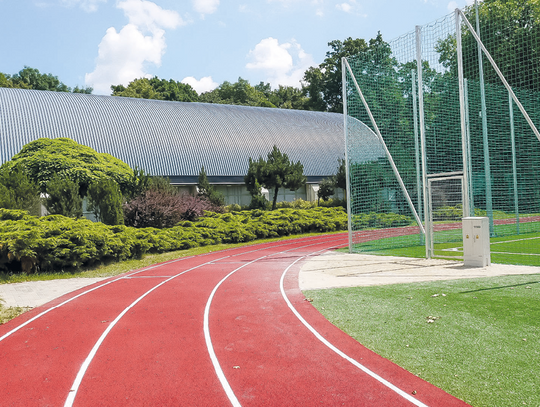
172	138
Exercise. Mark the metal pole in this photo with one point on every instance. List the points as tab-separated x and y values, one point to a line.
469	155
514	169
428	229
464	145
487	165
388	155
348	195
417	150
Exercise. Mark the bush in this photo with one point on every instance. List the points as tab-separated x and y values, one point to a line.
105	200
63	197
17	191
55	242
208	191
163	209
326	189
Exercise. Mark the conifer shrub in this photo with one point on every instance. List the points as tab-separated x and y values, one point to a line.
105	201
63	197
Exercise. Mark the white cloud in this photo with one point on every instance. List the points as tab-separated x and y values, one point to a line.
205	84
87	5
145	14
205	6
346	7
283	64
124	55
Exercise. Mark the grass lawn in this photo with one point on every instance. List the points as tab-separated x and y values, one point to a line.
480	341
523	249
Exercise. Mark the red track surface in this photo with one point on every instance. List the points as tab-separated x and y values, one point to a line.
226	328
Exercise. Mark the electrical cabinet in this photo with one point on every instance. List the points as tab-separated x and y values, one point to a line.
476	251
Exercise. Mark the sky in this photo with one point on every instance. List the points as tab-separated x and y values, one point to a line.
100	43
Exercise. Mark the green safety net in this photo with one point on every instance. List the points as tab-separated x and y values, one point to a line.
427	126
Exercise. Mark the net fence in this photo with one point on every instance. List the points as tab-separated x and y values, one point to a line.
416	109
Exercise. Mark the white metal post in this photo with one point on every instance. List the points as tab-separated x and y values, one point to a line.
417	149
487	165
428	233
464	143
345	127
514	169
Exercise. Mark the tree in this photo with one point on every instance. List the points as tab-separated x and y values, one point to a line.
323	83
43	158
31	78
284	97
105	201
17	191
63	197
138	88
274	173
326	188
510	30
209	191
156	88
239	93
341	175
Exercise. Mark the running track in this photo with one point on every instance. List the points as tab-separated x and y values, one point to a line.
221	329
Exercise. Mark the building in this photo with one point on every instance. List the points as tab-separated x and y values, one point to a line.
175	139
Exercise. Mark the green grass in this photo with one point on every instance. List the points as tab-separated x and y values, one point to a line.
522	249
8	313
483	346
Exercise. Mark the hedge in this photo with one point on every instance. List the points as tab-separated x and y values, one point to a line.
54	242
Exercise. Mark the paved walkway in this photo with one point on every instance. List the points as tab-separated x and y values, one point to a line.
36	293
332	269
335	269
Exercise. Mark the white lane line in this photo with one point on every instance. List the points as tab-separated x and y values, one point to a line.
120	278
82	371
206	327
339	352
84	293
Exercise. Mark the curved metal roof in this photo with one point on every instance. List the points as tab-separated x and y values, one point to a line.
172	138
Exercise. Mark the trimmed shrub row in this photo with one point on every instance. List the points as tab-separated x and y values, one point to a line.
380	220
54	242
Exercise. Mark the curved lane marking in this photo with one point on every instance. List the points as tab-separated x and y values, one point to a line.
81	294
339	352
82	371
110	282
215	362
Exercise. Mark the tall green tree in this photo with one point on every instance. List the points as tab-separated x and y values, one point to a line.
156	88
208	191
323	84
31	78
238	93
63	197
105	201
17	191
510	30
276	172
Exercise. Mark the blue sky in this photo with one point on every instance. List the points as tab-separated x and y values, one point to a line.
202	42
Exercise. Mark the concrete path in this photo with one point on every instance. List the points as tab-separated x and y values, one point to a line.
329	270
36	293
334	269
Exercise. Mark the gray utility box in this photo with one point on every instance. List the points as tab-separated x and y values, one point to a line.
476	252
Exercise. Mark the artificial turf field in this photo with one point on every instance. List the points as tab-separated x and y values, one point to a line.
522	249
